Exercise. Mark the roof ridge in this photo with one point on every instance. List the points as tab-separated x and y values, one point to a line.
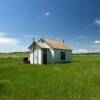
53	40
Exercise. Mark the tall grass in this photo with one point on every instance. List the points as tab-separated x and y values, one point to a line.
79	80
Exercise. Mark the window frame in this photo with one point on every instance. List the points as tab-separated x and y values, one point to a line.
62	55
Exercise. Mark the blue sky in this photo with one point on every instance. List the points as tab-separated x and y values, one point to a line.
75	21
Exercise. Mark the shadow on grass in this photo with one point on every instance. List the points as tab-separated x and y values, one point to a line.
4	87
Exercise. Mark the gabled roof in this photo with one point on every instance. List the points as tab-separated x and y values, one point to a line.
53	43
40	44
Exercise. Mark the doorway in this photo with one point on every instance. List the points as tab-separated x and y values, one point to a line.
44	56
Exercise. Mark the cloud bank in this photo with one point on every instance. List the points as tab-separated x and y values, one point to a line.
96	42
5	40
8	44
80	51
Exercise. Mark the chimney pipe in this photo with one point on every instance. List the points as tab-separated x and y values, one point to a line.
63	41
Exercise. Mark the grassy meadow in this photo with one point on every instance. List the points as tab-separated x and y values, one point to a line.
79	80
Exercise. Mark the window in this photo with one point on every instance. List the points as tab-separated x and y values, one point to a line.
42	40
62	55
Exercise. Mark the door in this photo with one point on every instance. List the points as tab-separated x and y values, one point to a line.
44	56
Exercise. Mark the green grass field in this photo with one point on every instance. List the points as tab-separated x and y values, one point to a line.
79	80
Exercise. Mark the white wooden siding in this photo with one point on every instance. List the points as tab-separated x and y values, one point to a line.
50	54
53	55
39	55
31	55
57	56
35	57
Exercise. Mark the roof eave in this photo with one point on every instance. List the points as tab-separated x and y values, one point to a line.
32	45
63	49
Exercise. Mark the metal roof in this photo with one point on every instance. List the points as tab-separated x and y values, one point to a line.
53	43
58	44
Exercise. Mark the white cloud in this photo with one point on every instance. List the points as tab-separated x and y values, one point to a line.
8	41
95	46
5	40
2	34
8	44
97	42
97	22
47	13
80	51
97	50
16	48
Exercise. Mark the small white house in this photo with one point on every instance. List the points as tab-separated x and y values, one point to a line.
47	51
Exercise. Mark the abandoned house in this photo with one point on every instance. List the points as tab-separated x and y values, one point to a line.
47	51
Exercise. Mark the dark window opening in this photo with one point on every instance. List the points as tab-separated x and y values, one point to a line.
42	40
62	55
